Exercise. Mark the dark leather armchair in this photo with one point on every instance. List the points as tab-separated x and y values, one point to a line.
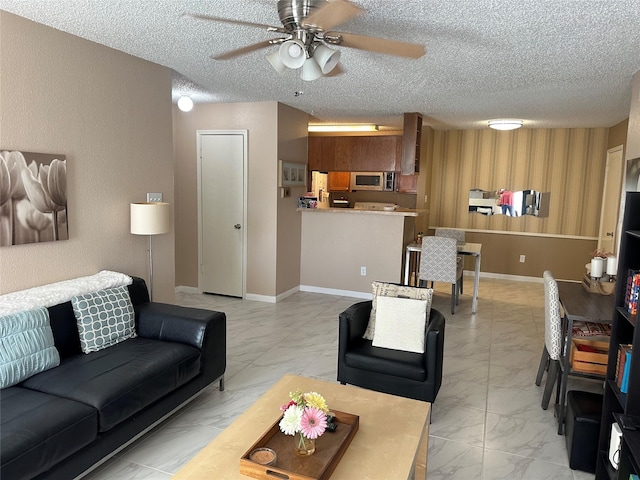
407	374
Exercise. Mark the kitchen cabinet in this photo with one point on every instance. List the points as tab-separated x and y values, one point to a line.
339	181
379	153
624	330
411	143
406	183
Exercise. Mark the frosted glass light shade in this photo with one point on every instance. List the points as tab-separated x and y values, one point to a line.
326	57
185	103
150	218
310	70
292	53
505	124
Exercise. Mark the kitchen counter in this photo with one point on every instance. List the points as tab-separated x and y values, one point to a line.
405	212
345	249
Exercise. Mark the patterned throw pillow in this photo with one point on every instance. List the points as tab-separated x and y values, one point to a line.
104	318
382	289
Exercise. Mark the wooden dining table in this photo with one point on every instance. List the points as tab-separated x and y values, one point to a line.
579	305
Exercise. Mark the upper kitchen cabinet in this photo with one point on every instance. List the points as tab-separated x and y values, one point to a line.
354	153
411	139
339	181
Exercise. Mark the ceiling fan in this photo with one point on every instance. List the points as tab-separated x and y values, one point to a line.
306	34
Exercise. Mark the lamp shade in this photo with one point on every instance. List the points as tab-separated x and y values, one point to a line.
326	57
276	63
292	53
310	70
150	218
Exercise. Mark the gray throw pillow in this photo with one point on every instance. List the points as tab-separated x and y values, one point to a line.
104	318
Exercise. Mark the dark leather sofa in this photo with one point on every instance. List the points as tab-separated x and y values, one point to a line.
59	423
407	374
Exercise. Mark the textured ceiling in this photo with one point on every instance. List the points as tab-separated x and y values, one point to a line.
551	63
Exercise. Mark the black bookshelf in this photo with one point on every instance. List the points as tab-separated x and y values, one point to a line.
623	330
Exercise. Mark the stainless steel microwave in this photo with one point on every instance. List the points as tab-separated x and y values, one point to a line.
380	181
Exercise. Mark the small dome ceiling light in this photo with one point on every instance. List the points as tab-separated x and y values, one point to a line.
505	124
185	103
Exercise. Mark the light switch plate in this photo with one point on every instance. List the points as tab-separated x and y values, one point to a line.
154	197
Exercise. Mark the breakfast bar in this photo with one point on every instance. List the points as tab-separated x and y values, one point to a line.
345	249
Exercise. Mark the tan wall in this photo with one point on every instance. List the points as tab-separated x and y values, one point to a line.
110	114
335	245
259	120
268	137
292	147
569	163
633	135
618	134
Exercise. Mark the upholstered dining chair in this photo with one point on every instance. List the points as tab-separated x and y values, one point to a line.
460	238
552	348
439	262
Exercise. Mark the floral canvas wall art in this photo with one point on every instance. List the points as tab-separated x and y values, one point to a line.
33	197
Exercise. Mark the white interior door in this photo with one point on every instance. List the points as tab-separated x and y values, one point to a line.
222	215
611	200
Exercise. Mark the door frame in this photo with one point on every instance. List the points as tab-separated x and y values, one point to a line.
245	183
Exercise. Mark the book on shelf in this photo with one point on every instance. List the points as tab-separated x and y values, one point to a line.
624	387
622	349
632	291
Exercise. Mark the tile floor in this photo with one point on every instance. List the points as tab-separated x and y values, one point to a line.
487	422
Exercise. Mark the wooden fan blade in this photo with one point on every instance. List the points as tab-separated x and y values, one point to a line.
234	22
243	50
380	45
331	14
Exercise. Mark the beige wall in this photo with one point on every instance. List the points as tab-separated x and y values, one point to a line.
292	147
336	244
110	114
633	135
569	163
273	130
618	134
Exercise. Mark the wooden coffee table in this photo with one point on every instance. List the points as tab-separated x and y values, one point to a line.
390	443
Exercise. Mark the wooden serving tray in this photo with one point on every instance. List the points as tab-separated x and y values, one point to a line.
330	448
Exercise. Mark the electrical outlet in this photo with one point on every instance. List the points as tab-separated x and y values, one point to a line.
154	197
363	271
522	257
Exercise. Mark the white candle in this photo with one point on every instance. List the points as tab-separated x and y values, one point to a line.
612	265
596	267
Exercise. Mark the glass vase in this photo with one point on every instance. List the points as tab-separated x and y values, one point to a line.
304	446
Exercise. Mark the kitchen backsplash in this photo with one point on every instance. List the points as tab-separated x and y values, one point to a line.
403	200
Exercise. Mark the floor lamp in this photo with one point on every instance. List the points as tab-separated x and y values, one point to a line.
150	218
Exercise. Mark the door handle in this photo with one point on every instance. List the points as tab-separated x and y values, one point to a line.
237	226
609	234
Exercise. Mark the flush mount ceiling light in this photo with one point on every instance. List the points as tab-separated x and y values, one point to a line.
505	124
185	103
343	128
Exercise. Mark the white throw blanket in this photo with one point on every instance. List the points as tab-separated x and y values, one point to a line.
60	292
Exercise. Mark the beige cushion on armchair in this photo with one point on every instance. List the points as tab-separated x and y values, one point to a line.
400	324
383	289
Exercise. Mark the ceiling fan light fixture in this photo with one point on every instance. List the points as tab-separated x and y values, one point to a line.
185	103
292	53
505	124
310	70
326	57
274	59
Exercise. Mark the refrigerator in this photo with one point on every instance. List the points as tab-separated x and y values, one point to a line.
319	187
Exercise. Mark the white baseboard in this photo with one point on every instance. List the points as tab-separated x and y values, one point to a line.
333	291
270	298
185	289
